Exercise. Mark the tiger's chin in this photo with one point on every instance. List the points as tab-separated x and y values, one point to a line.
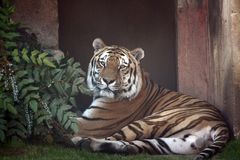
116	95
107	93
112	95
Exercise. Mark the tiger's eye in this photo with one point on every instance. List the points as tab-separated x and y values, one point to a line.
122	67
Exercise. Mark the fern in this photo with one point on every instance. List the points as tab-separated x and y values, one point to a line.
36	86
36	57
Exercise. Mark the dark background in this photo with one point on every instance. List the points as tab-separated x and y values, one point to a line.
149	24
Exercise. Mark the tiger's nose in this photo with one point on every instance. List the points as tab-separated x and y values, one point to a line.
108	81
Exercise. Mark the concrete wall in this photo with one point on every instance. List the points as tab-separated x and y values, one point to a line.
42	17
208	54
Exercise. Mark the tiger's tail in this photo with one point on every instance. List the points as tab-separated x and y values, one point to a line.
220	136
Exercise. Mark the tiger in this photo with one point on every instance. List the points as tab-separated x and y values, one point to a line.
131	114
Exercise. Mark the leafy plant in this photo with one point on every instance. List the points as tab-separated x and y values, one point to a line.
36	85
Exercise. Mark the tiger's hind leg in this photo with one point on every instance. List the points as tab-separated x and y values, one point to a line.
220	137
189	145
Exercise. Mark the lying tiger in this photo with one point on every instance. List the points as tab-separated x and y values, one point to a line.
131	114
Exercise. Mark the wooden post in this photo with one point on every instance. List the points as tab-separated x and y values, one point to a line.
234	20
209	54
192	47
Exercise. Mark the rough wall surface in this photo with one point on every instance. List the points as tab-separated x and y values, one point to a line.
42	17
210	69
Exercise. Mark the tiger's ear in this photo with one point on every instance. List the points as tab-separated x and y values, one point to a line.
138	53
98	44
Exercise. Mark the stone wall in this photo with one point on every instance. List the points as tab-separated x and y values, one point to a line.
209	54
42	17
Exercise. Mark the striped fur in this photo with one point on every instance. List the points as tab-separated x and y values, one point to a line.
131	114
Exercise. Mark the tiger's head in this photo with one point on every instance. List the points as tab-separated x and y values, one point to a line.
114	71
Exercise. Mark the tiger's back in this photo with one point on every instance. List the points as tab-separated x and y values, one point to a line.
132	114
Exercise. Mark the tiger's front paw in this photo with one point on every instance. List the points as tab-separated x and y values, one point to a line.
75	140
83	143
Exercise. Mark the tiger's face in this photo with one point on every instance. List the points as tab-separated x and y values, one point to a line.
114	71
